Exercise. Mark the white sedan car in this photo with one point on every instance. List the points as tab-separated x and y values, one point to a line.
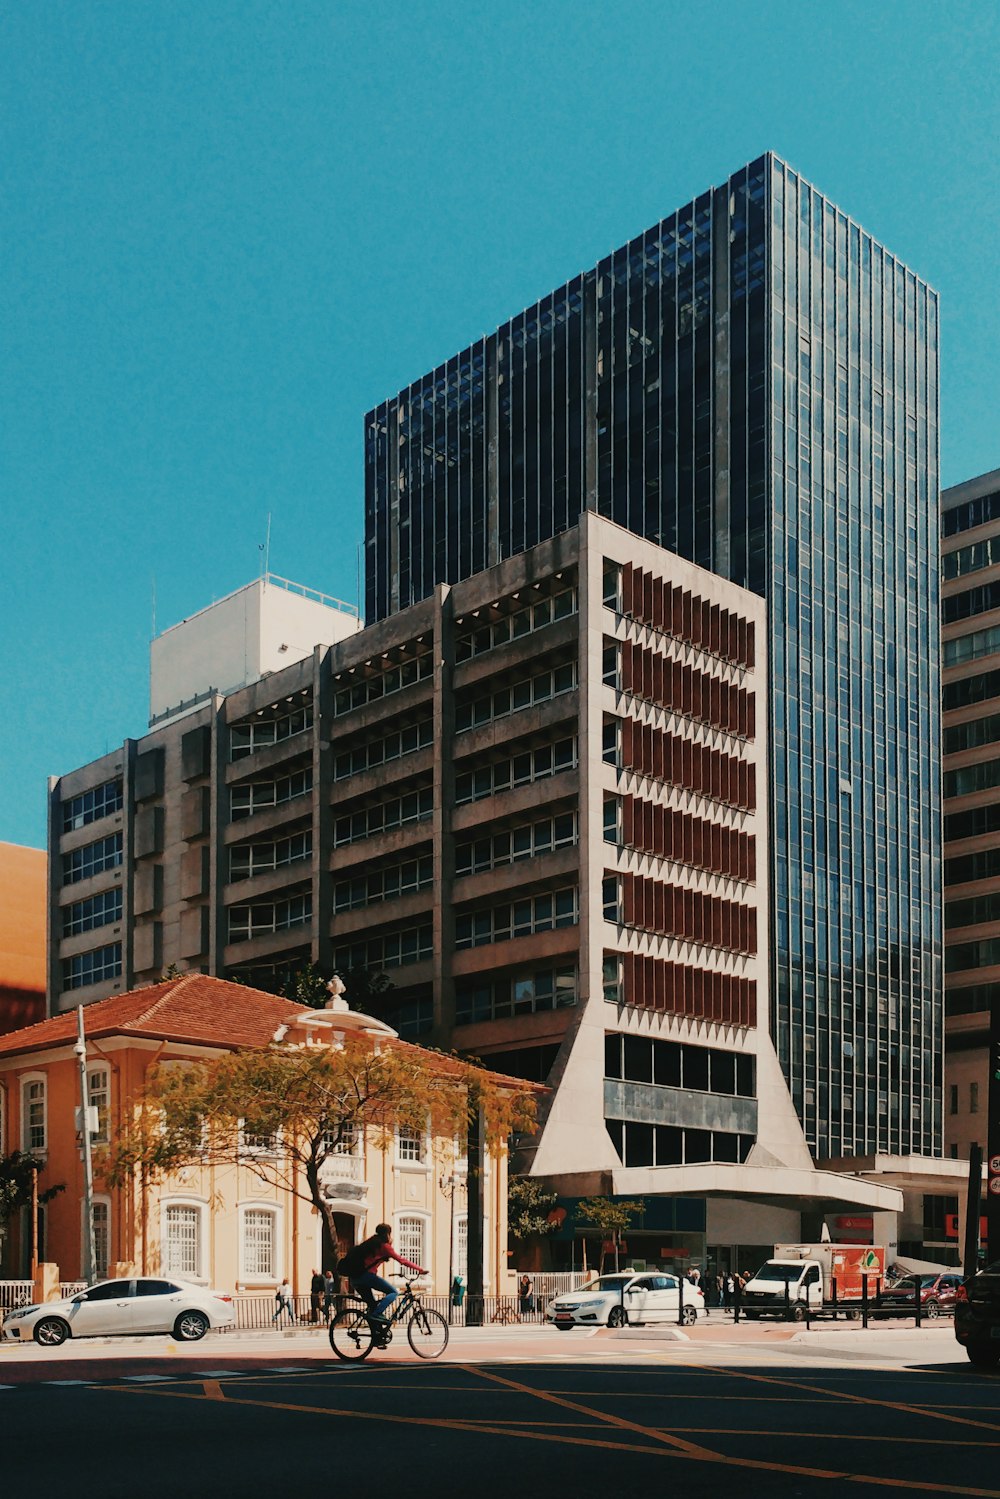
627	1297
123	1308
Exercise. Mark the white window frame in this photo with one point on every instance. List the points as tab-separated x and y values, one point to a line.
102	1070
460	1246
407	1162
100	1271
28	1081
256	1277
268	1151
200	1206
425	1220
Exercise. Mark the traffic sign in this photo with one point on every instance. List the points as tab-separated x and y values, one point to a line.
995	1165
995	1185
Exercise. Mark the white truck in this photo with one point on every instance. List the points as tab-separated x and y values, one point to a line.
801	1277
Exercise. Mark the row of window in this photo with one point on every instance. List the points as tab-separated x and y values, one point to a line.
967	867
965	955
260	733
973	1098
678	688
666	1145
970	514
972	912
650	827
630	745
262	917
92	967
970	778
473	712
966	736
671	1064
249	859
671	911
371	689
971	559
258	796
379	750
519	918
971	647
394	950
519	994
972	1000
93	858
529	841
91	806
520	770
647	983
97	911
34	1110
673	609
384	884
968	690
382	817
522	620
970	601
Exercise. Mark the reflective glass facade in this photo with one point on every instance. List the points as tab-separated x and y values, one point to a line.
753	384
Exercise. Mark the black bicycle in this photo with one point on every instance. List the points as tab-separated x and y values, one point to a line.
354	1332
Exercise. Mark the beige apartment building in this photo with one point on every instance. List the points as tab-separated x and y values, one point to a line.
536	801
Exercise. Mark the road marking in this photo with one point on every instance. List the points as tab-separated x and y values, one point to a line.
682	1448
213	1389
147	1378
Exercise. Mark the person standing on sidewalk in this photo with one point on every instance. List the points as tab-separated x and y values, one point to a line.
317	1286
329	1296
283	1296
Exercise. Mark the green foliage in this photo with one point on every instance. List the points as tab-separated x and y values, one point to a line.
15	1185
610	1219
306	986
362	986
528	1207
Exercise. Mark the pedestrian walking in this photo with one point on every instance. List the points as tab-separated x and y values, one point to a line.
283	1296
457	1291
526	1294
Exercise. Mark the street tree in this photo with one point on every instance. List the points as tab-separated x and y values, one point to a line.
528	1206
610	1219
283	1112
16	1173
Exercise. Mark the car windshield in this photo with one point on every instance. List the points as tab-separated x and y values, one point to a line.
607	1283
784	1274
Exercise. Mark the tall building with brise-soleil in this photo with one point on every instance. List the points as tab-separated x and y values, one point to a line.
753	384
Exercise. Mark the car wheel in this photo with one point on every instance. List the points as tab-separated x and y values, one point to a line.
618	1317
50	1332
690	1316
564	1326
190	1326
983	1355
931	1308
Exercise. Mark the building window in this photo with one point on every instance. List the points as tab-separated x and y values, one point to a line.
388	883
411	1238
539	913
91	806
92	967
259	1244
246	922
93	858
973	1098
410	1152
99	1097
524	693
382	817
369	690
249	859
97	911
520	994
259	733
255	1143
527	841
953	1099
394	950
514	626
34	1132
259	796
525	767
372	752
461	1246
182	1237
102	1237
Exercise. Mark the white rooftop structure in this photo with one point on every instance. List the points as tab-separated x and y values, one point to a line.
260	628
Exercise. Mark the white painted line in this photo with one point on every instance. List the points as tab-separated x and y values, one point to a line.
66	1381
217	1373
147	1378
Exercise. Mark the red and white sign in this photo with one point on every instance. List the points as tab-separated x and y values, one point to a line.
995	1185
995	1164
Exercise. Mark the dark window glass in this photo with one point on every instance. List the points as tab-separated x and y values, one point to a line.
696	1070
667	1061
972	824
638	1059
638	1145
615	1130
612	1056
111	1290
744	1077
669	1145
723	1072
725	1147
697	1145
969	690
155	1288
972	513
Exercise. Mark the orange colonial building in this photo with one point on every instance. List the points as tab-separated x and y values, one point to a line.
220	1225
23	899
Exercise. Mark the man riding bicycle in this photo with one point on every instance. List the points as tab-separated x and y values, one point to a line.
360	1263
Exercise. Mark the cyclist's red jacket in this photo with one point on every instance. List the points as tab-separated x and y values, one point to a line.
380	1252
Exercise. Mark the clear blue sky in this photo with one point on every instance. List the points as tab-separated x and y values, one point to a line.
231	228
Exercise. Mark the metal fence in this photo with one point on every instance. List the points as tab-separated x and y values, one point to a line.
15	1293
260	1313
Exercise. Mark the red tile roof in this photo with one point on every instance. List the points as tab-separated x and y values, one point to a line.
193	1008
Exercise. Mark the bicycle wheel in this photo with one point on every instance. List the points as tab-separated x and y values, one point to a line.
428	1333
351	1334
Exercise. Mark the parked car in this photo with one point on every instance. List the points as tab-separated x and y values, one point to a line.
123	1308
627	1296
977	1317
937	1293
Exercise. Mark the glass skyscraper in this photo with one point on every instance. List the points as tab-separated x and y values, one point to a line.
753	384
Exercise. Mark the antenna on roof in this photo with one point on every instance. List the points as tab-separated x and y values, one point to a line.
265	551
153	636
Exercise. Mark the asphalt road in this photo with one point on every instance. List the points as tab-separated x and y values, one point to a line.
594	1416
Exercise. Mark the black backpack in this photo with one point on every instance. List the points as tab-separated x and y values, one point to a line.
353	1262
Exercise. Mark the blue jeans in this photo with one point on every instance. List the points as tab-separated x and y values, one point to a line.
369	1282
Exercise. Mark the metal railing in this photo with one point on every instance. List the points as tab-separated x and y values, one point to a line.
262	1313
15	1293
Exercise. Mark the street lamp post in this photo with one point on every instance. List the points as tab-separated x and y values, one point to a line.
448	1185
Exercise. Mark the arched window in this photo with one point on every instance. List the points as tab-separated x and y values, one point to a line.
183	1239
260	1244
34	1114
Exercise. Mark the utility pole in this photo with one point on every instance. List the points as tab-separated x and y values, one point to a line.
86	1113
973	1209
993	1139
